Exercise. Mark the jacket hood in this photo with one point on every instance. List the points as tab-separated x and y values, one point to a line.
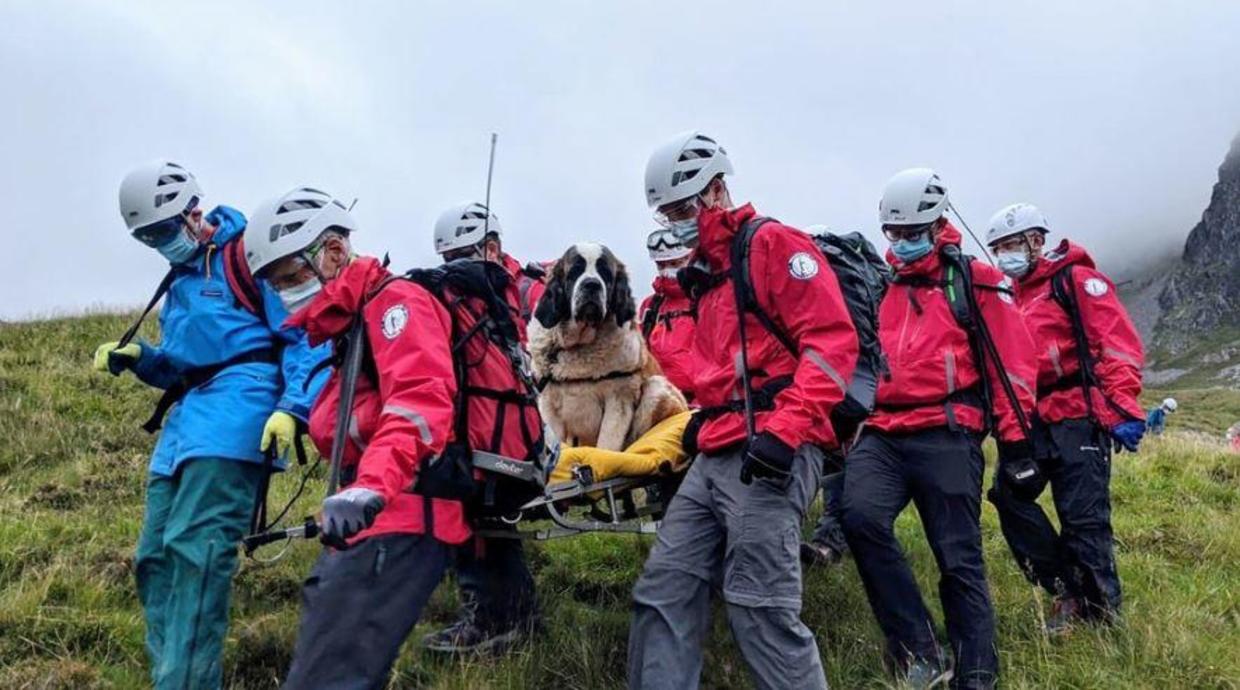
1066	254
668	287
331	312
716	228
930	263
229	223
511	266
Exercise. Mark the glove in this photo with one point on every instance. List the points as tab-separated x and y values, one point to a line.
280	430
1020	472
347	513
111	358
1128	435
767	456
689	439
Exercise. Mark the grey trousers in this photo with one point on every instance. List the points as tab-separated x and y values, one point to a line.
746	540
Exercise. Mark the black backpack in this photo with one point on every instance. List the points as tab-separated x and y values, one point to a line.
863	277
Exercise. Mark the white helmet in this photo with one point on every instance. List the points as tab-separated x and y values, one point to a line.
292	222
683	167
913	197
1015	220
663	245
157	191
1170	405
464	225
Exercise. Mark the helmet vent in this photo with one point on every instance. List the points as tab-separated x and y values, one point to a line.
281	229
299	205
169	179
161	199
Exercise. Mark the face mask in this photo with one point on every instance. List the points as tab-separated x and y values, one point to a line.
685	231
295	298
908	251
180	249
1014	264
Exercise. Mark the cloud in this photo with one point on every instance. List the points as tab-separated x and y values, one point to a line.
1111	116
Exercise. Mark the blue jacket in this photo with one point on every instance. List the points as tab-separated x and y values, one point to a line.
202	324
1156	421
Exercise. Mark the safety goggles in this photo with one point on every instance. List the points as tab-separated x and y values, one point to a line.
662	239
686	209
1015	243
910	233
474	252
158	234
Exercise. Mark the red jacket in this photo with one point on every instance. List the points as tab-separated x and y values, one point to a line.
1113	341
929	356
524	290
671	339
407	417
796	287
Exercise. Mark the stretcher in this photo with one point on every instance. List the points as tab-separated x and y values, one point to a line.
582	490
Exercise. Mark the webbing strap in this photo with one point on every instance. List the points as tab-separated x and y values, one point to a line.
160	291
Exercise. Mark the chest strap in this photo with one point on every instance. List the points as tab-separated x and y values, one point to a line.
197	377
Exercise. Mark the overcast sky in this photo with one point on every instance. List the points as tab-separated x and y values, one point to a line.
1111	115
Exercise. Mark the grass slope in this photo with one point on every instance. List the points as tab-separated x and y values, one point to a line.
71	477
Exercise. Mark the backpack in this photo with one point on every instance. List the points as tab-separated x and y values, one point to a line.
505	485
863	277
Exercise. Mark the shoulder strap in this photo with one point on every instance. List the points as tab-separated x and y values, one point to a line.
160	291
747	299
651	318
244	288
354	346
1064	293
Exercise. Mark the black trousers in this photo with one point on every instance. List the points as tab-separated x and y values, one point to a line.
493	577
940	472
830	528
358	606
1078	560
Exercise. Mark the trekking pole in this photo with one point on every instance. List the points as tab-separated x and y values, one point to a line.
355	347
486	222
985	252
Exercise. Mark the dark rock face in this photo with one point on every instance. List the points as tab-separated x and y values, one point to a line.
1203	294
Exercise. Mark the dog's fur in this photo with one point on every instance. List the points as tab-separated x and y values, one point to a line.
603	387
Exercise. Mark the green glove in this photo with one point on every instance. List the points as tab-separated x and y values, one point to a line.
111	358
280	429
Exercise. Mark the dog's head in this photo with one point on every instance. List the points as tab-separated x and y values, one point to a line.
588	285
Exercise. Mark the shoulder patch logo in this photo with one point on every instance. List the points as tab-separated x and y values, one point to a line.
802	266
1006	287
394	321
1096	287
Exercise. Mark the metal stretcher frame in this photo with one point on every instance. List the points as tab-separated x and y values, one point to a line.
611	499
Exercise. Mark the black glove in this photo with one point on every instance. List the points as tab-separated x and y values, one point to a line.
689	439
767	456
1019	471
347	513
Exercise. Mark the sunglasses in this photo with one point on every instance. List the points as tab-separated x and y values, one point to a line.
680	210
910	233
158	234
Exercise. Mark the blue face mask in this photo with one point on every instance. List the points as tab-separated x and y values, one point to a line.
1013	264
908	251
180	249
685	231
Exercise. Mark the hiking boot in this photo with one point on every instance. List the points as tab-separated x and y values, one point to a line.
924	674
978	680
467	637
1065	613
815	554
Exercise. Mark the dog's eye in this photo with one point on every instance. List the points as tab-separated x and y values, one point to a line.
578	267
604	272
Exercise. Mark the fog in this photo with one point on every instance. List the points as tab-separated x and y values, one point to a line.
1111	116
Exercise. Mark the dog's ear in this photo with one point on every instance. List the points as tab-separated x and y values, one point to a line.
552	309
620	303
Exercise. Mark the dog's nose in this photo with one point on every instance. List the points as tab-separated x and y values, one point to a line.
591	286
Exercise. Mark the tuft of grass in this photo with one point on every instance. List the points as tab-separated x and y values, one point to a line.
71	475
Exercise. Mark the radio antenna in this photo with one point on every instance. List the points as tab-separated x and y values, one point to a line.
486	222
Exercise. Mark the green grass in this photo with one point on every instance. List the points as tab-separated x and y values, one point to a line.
71	474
